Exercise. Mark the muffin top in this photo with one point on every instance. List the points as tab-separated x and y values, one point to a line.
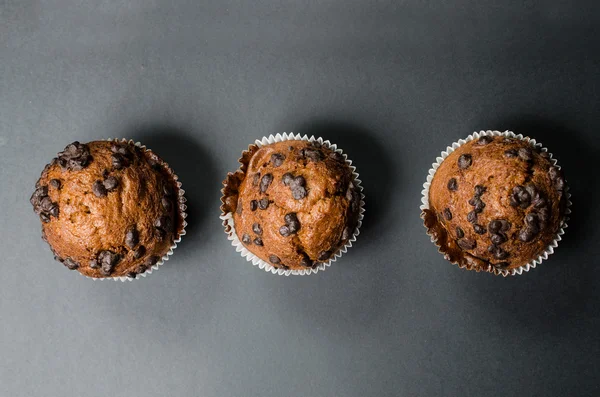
108	208
294	203
495	204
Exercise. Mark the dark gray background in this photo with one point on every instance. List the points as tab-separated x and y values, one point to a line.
393	83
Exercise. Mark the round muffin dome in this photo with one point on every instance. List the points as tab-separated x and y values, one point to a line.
495	204
108	208
294	203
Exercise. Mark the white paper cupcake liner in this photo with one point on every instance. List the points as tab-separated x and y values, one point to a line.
476	135
182	215
229	225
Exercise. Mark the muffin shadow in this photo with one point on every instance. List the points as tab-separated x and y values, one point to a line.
373	164
563	295
190	161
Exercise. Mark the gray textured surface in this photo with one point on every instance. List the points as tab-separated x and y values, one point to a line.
392	83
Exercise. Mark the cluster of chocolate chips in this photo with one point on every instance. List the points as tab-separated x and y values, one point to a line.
121	155
529	196
292	225
247	239
164	224
102	188
478	205
297	184
557	179
313	154
262	204
106	261
277	159
75	157
498	229
42	204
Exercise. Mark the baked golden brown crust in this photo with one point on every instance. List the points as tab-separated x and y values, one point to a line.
294	203
495	204
108	209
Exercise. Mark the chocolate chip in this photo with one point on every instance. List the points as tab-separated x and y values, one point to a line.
505	225
99	189
45	217
520	197
277	159
510	153
94	264
256	179
472	217
246	239
526	234
447	214
274	259
479	190
111	183
55	183
531	219
292	222
314	155
164	223
452	184
298	181
167	204
131	275
467	243
253	205
168	190
284	231
479	229
346	233
484	140
258	241
459	232
525	154
265	182
107	260
553	173
118	161
75	157
498	252
298	193
501	265
257	229
465	161
494	226
324	255
498	238
46	203
132	237
287	178
139	252
306	261
337	157
263	203
559	183
239	207
543	215
120	149
479	206
70	263
151	261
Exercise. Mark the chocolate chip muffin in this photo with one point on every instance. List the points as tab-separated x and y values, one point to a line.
495	204
295	203
108	208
